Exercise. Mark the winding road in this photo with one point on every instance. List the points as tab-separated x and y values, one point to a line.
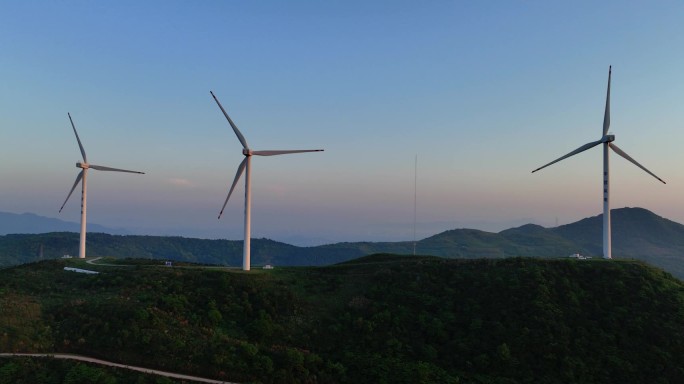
117	365
93	262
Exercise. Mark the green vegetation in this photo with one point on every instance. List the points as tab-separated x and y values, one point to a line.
382	319
53	371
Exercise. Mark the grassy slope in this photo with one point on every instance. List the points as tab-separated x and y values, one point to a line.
380	318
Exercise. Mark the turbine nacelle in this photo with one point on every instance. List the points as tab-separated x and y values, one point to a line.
82	165
247	152
608	138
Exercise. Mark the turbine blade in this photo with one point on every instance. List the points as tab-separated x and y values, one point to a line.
606	115
78	179
241	168
235	128
102	168
78	139
629	158
285	152
576	151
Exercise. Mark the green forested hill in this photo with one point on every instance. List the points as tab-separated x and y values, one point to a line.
383	318
637	234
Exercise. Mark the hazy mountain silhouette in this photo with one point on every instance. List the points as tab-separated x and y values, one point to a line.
31	223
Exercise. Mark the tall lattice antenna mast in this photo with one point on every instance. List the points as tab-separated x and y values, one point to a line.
415	201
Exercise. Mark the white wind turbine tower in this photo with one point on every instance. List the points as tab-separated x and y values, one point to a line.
607	141
246	164
84	197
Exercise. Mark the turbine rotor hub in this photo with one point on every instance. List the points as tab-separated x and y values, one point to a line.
82	165
608	138
247	152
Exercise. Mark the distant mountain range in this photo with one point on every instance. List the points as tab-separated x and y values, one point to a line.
637	233
31	223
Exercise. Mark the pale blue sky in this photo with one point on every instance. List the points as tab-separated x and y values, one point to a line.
483	92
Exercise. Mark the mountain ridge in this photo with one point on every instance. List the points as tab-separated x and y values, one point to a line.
637	233
14	223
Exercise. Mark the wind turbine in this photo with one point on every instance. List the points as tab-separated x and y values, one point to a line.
246	164
81	177
607	141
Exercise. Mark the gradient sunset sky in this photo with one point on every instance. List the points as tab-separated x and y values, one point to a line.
483	92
